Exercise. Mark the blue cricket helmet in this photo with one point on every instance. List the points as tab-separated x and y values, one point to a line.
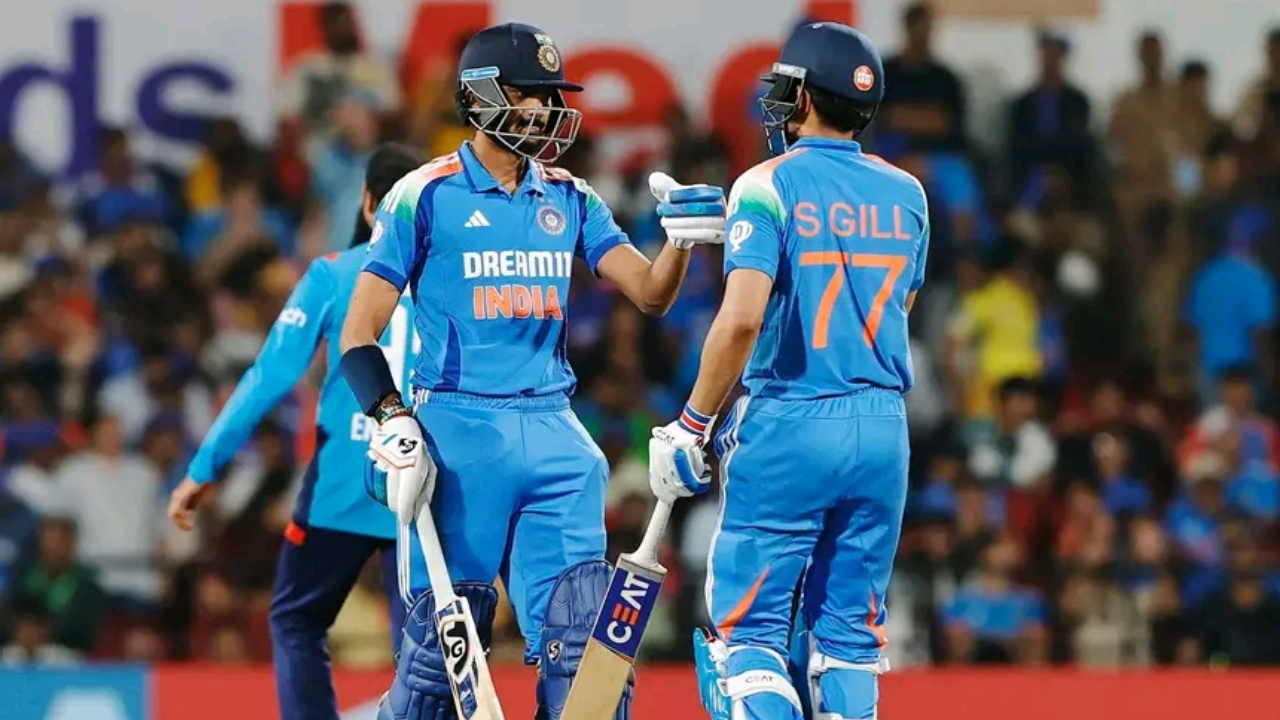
523	57
832	57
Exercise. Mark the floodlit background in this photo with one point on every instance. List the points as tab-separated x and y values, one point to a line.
1095	452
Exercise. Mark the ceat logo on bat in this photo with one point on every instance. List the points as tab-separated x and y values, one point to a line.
627	607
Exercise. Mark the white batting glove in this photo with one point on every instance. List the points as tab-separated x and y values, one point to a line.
398	449
677	465
691	214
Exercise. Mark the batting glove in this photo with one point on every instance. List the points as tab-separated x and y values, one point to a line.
677	465
691	214
399	450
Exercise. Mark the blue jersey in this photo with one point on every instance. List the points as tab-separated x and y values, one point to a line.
489	271
332	496
844	236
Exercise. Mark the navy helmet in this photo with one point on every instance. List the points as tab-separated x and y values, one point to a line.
829	56
522	57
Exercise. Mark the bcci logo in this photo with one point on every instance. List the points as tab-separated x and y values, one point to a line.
548	56
550	220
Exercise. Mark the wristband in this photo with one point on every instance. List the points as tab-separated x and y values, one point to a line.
695	422
365	370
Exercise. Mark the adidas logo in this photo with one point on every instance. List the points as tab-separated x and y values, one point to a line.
476	220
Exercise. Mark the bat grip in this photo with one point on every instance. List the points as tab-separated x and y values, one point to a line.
437	570
647	553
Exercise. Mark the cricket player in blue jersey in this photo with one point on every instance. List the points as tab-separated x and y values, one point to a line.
826	250
485	239
336	527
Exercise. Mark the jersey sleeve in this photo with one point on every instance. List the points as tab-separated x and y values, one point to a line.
284	358
600	232
401	233
922	251
757	219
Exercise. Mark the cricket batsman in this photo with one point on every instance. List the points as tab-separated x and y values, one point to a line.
485	239
336	527
826	250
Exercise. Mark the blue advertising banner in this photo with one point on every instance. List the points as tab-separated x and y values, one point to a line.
88	693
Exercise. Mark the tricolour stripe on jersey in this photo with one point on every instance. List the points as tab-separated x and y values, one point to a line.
402	200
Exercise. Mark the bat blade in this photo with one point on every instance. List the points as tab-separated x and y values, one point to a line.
611	652
474	696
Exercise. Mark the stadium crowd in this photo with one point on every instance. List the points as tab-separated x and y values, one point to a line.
1095	451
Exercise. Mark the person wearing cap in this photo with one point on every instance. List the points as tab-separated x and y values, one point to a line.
484	239
335	527
826	250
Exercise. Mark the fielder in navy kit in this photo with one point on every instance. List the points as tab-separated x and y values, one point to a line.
825	251
336	527
485	239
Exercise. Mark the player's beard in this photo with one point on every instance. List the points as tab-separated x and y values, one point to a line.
534	130
791	134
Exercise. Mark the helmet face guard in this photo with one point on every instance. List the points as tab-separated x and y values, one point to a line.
493	114
779	105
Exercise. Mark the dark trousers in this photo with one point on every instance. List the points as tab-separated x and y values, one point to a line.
317	570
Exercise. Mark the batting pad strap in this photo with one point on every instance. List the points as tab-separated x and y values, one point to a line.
819	663
752	682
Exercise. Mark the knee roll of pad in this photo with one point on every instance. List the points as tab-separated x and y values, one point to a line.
421	687
843	689
571	615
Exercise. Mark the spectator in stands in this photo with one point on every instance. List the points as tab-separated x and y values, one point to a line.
1018	452
17	535
117	503
1236	625
120	190
1141	122
924	104
226	152
59	591
318	82
1237	411
338	172
1123	494
1231	308
32	643
243	220
993	621
1195	125
1252	107
1049	123
434	124
1194	519
15	270
31	475
1102	621
134	399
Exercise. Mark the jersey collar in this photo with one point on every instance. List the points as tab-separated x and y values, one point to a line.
482	181
834	144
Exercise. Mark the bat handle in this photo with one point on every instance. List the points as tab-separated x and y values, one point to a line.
647	553
437	570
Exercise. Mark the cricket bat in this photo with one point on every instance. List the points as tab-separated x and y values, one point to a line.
611	651
474	696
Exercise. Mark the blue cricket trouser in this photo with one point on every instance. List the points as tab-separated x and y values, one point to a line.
316	572
520	495
822	481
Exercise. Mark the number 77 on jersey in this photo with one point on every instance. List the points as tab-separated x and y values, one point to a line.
632	595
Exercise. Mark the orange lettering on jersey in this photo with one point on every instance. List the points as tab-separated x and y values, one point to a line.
552	303
840	218
898	234
521	301
516	302
497	301
876	232
807	212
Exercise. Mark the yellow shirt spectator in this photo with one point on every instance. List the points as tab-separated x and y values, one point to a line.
1000	324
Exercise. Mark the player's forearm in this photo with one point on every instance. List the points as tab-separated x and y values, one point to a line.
363	364
724	356
662	281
